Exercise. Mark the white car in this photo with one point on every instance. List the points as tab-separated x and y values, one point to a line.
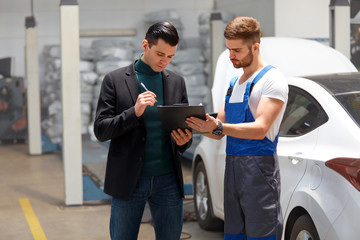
319	157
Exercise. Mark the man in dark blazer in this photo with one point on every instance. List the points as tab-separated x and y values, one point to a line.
143	160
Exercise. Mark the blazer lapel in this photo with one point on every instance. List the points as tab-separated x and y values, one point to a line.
132	82
133	85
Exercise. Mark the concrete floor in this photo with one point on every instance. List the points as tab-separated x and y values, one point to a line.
40	179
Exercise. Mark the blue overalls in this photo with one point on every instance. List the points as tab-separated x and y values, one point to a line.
252	180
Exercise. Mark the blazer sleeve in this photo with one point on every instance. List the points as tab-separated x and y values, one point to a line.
184	99
114	117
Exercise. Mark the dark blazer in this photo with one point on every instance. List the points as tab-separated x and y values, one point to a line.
116	121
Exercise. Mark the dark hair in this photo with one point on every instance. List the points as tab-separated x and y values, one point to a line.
164	30
245	28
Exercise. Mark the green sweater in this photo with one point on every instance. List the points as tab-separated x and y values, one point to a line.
158	157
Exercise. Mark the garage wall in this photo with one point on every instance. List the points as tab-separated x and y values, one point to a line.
262	10
94	14
284	18
305	18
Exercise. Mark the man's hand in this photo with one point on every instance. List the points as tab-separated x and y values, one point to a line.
144	99
204	126
181	137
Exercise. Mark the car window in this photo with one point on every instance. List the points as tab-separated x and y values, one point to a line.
302	115
351	103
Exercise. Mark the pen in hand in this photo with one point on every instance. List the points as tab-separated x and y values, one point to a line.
143	85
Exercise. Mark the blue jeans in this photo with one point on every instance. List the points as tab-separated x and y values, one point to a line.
166	206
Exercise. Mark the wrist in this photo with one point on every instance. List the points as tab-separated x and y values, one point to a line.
218	130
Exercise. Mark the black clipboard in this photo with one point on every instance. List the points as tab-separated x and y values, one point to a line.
173	116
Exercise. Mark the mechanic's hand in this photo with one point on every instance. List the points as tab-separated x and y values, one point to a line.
181	137
203	126
144	99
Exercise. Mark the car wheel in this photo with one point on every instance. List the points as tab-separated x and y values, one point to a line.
304	229
203	206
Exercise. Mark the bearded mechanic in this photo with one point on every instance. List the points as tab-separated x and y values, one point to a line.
250	117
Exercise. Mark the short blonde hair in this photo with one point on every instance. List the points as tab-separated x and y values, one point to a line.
245	28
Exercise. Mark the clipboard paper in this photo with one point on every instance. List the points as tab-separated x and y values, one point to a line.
174	116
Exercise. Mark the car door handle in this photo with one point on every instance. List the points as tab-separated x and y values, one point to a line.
296	159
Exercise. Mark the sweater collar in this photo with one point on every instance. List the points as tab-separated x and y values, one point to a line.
143	68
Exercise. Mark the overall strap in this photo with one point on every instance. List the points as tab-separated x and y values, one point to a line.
261	73
250	85
256	79
229	91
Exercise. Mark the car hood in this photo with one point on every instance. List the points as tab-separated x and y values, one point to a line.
293	56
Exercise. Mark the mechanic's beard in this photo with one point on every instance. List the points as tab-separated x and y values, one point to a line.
246	61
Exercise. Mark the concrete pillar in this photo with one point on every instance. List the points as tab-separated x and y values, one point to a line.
340	26
33	87
70	83
216	41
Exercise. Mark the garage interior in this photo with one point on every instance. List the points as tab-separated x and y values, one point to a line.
51	163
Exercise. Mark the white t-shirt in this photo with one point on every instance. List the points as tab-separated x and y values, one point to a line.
273	85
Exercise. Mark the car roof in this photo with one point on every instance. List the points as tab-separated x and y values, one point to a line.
338	83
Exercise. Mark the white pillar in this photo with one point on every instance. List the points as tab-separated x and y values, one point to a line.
340	26
70	83
216	41
33	87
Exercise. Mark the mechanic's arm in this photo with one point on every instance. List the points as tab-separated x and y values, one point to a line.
208	125
267	111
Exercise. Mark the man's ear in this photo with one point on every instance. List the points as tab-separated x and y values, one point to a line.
256	46
145	45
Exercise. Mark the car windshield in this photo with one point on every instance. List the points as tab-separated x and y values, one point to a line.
345	87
